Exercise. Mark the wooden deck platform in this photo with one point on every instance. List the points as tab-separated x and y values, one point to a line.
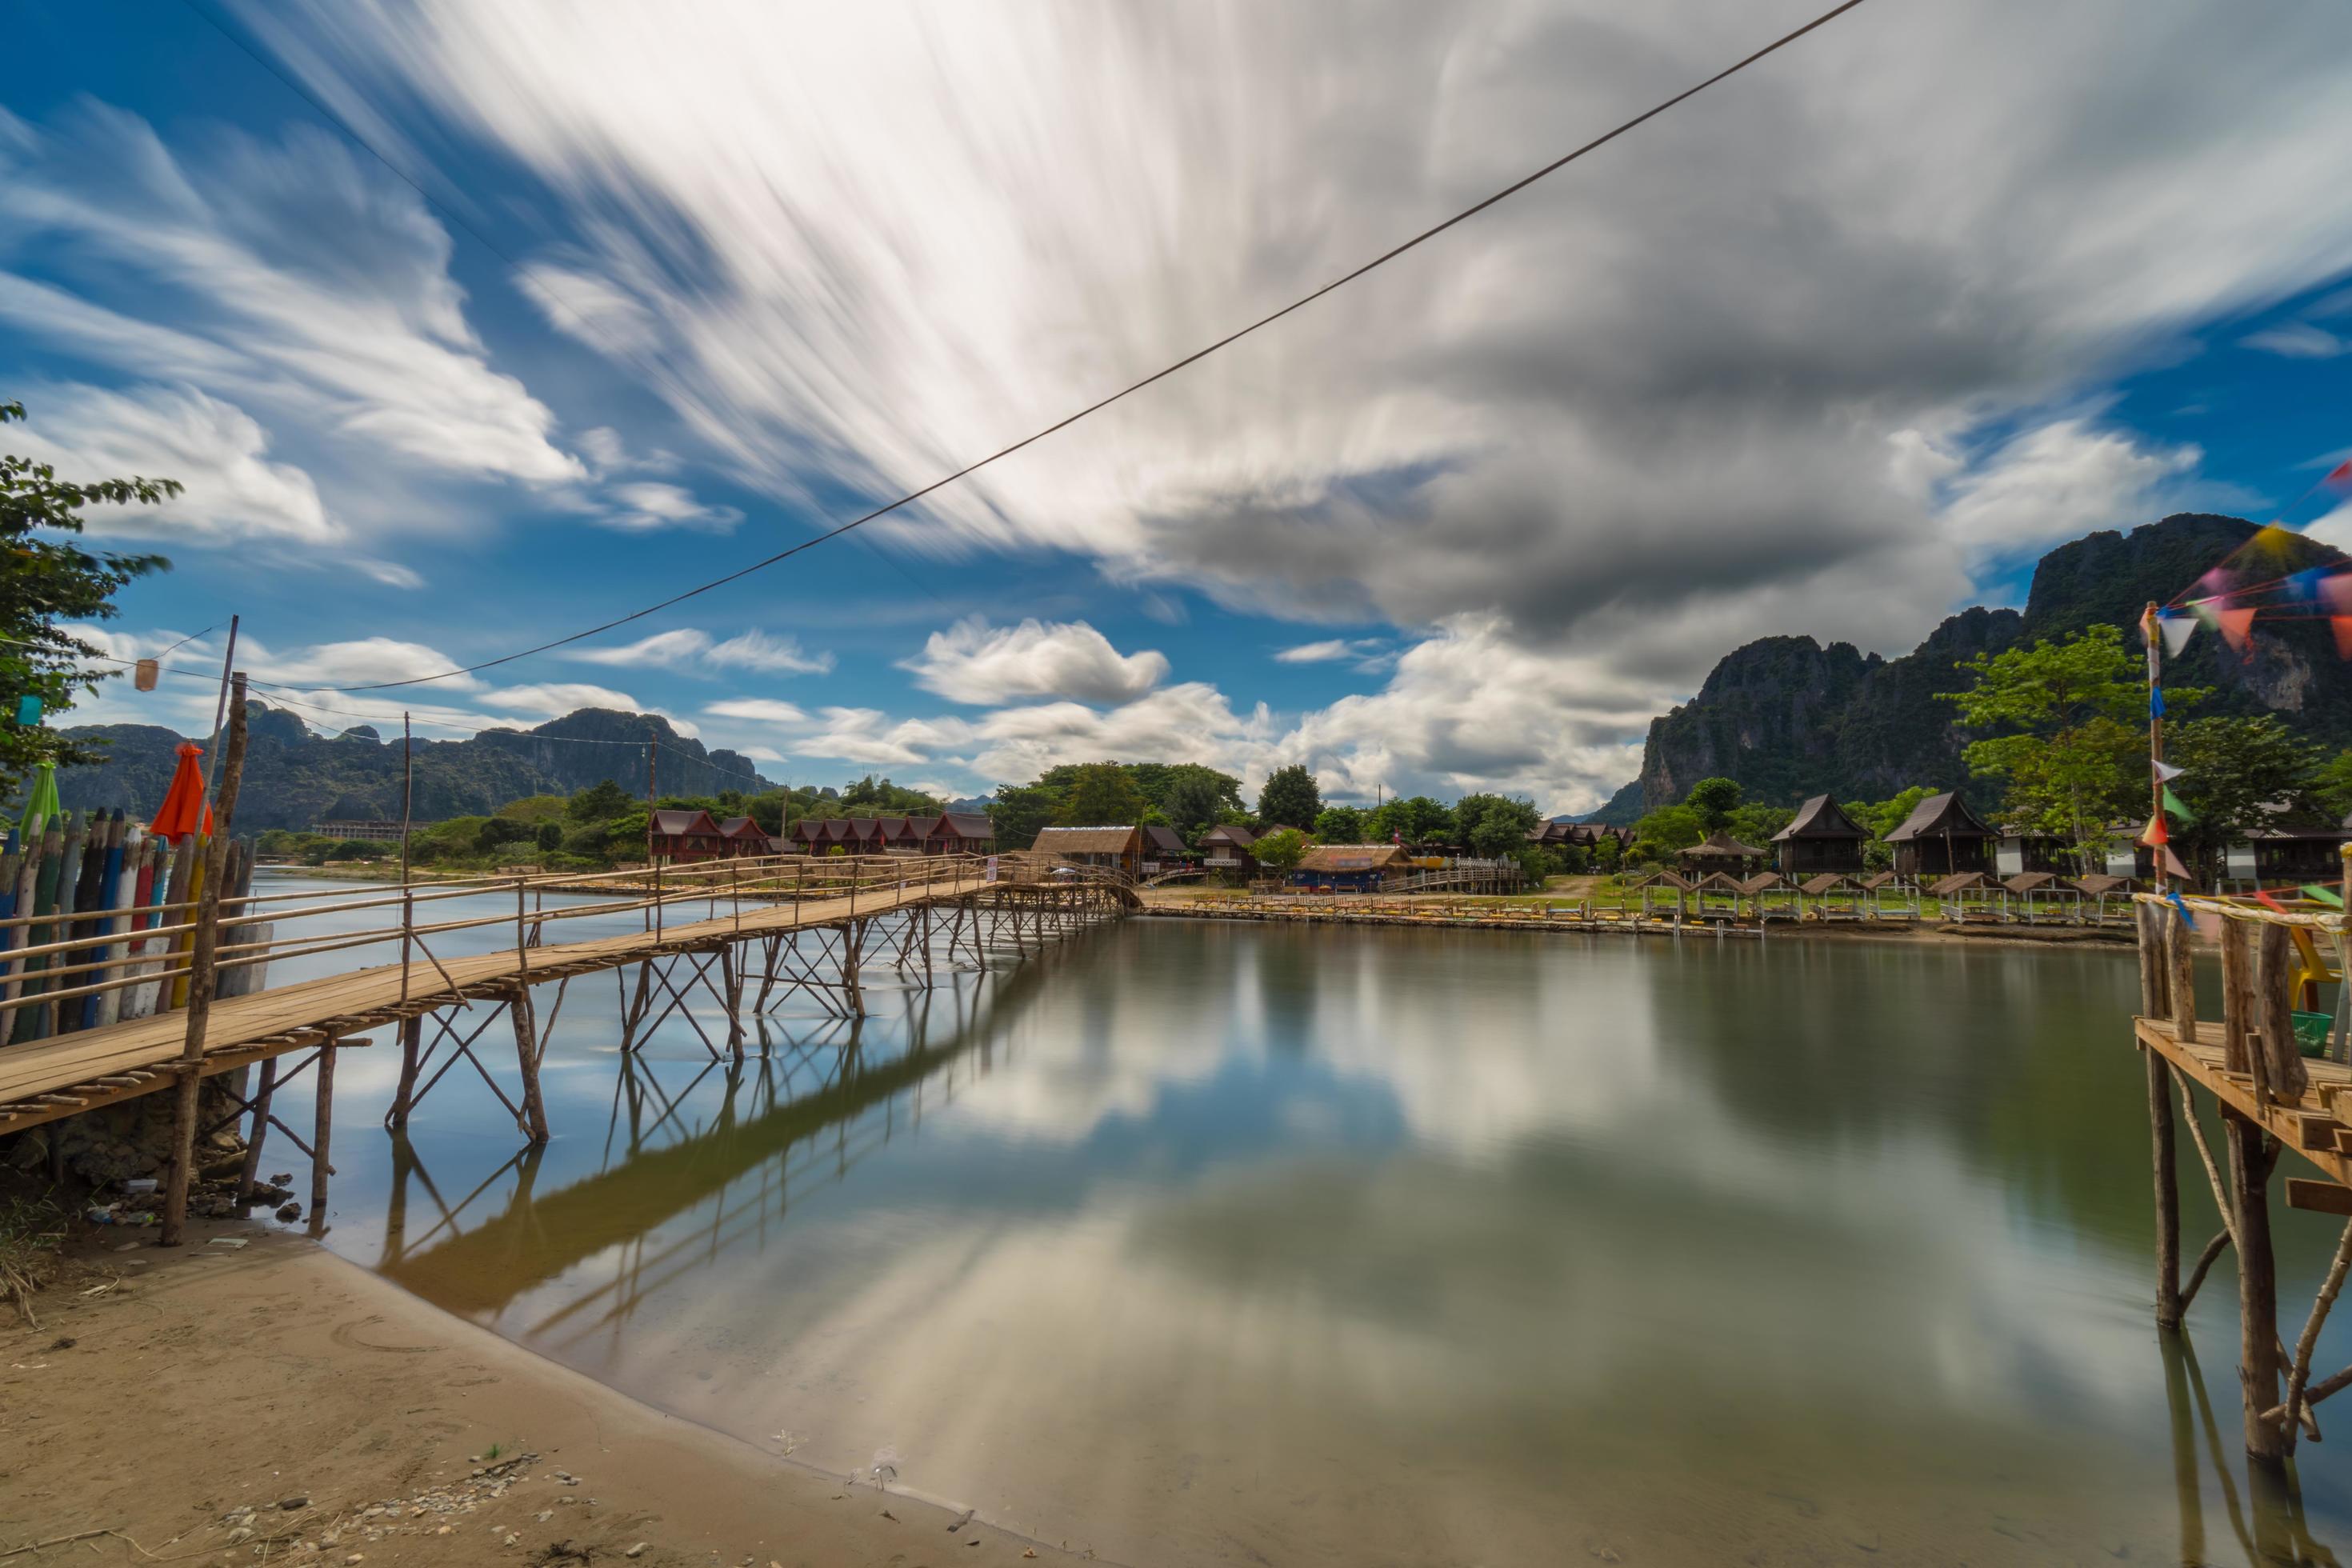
2318	1126
76	1072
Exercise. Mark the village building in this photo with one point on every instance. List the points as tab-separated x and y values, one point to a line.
1942	837
2292	848
681	836
1819	840
1722	852
740	835
1106	848
958	833
1226	848
1350	868
1164	850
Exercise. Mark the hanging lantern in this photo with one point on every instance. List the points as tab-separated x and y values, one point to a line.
143	674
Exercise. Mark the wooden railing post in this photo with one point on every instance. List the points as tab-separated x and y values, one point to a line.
2154	976
201	976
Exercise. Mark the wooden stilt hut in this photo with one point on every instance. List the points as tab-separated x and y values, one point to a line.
1722	852
1819	840
1817	898
1942	837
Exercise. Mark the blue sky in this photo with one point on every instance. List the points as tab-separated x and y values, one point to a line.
1836	349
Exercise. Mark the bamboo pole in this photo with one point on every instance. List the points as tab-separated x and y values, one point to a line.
322	1128
2258	1339
201	977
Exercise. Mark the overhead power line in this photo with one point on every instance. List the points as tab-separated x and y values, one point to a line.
1427	235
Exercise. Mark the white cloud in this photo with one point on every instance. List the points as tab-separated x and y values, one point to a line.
297	275
689	648
2297	339
1668	375
756	649
650	505
556	699
2056	482
765	710
1322	652
215	449
973	662
867	736
390	574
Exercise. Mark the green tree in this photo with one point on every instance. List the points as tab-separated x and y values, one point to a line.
1018	811
45	580
1289	798
1281	851
1416	819
551	837
1715	800
1659	837
1883	817
2331	787
2068	745
2233	770
1339	825
1193	801
1755	823
600	802
1101	796
1494	826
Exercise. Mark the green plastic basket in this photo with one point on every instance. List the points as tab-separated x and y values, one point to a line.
2312	1031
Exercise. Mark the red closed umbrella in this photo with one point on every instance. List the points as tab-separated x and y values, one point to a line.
184	804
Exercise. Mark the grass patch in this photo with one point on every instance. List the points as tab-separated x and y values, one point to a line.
31	1231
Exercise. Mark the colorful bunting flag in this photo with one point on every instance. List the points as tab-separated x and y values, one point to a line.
2237	626
2181	904
2268	902
2340	476
2172	803
2177	629
2155	701
28	709
2155	833
2169	772
2172	865
2324	895
2342	626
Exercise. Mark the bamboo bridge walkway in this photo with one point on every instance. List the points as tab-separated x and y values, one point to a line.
843	905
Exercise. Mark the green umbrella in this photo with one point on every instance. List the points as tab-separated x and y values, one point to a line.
43	805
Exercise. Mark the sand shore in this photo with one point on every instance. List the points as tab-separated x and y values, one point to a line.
165	1395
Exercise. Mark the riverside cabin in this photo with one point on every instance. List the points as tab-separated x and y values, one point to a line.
1942	837
1350	868
682	838
952	833
1110	848
1163	850
1820	841
1226	848
741	835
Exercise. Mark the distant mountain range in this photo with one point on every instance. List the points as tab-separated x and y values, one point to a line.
293	777
1788	718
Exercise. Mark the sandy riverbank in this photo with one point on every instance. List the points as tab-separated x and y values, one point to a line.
209	1380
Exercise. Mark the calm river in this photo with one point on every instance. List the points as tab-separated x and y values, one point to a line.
1204	1243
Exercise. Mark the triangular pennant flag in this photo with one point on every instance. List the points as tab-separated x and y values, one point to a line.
2172	865
2153	833
2237	626
2204	612
2155	701
2177	630
2324	895
2340	475
2268	902
2337	589
2182	905
2169	772
2172	803
2342	626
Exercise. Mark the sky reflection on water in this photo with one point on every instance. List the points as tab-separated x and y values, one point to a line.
1192	1241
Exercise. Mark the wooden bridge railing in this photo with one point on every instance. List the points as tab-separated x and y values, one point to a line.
136	956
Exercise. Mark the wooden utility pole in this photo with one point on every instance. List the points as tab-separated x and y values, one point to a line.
202	974
2152	954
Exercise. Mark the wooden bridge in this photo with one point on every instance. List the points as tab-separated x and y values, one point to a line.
756	933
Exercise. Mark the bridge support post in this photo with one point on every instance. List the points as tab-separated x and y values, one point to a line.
404	1098
322	1136
853	939
526	1034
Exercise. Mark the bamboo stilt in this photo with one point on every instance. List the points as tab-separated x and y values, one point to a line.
202	977
322	1137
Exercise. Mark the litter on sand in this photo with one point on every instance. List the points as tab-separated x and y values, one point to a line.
228	1241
